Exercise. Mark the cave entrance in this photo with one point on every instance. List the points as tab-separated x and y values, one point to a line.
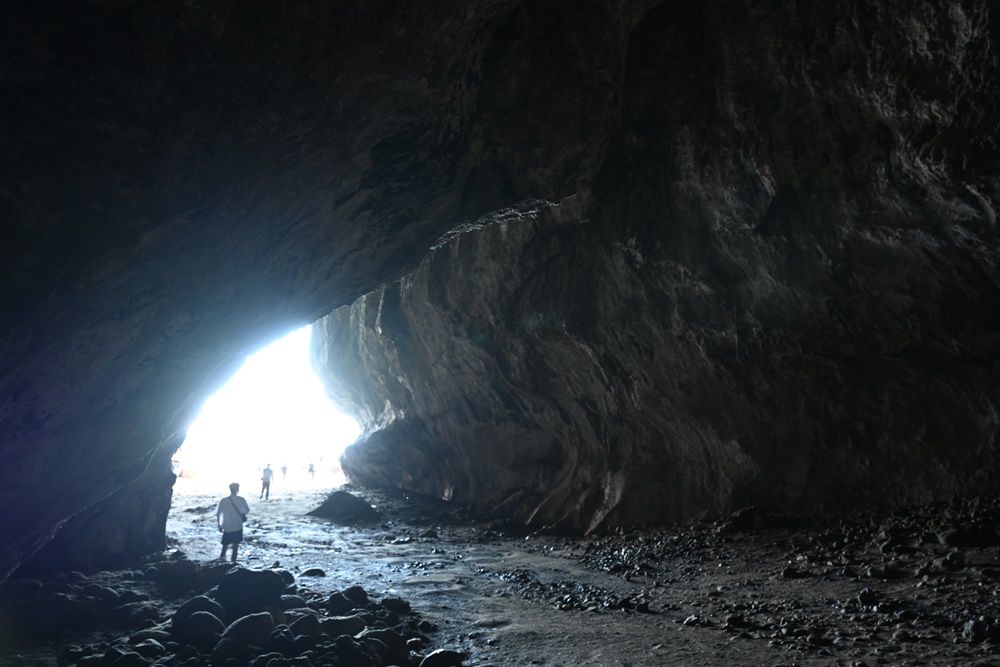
275	412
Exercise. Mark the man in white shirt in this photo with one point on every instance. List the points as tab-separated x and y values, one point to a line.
231	514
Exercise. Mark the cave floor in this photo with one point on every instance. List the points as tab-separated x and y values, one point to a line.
916	587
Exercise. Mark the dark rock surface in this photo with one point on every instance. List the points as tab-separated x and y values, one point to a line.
113	533
688	256
345	507
780	287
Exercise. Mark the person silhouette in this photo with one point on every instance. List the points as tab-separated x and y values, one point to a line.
265	479
230	515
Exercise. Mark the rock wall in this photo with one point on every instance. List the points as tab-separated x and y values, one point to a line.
779	288
186	182
113	533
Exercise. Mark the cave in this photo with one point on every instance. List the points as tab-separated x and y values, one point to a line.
576	269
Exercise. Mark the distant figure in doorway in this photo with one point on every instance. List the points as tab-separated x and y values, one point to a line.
284	471
231	514
265	479
312	470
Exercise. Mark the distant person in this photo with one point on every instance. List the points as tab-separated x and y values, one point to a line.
231	514
265	479
312	470
284	471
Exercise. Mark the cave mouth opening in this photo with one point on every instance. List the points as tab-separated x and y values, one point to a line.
274	411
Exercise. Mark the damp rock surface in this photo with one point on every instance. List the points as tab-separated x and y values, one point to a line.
772	292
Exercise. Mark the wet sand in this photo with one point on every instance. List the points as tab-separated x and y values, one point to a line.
738	591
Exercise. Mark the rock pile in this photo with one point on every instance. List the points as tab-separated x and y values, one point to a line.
927	575
241	618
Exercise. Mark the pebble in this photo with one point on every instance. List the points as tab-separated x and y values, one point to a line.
442	658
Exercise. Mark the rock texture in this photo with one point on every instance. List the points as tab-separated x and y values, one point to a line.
188	181
733	252
780	288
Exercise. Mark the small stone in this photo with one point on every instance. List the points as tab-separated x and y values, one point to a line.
113	654
149	648
975	630
816	639
281	640
70	654
338	605
252	629
342	625
902	635
954	560
131	659
314	572
867	597
736	621
884	572
793	573
357	595
156	633
303	643
307	625
102	593
355	653
271	659
291	602
135	614
396	605
397	650
442	658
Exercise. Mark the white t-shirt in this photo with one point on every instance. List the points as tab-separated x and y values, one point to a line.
229	509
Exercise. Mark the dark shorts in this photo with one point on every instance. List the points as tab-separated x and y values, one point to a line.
234	537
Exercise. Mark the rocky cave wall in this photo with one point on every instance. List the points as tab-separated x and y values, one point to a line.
186	182
738	245
780	288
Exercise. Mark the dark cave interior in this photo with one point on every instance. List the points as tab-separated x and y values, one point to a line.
578	270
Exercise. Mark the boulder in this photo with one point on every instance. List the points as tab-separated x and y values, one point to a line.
200	603
344	507
244	591
203	630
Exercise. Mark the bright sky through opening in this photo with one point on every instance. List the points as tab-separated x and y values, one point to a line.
274	411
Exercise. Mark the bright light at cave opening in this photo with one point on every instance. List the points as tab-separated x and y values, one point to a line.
274	411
